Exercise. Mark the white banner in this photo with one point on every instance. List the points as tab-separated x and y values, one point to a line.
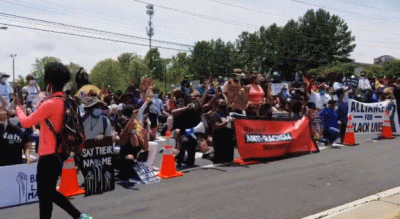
18	184
277	87
368	118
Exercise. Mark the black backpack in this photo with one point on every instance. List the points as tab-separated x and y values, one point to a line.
71	136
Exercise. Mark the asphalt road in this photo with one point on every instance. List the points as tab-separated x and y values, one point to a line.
289	188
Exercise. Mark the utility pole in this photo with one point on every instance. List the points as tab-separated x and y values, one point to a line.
13	57
150	31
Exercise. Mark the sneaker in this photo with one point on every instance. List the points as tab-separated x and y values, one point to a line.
85	216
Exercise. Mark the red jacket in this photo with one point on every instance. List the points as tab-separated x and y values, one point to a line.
52	109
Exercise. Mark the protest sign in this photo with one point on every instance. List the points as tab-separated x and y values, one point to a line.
236	97
145	174
96	165
277	87
18	184
369	117
260	138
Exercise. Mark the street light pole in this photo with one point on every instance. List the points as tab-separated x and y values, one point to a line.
13	57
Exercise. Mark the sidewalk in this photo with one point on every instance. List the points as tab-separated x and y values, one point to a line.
384	205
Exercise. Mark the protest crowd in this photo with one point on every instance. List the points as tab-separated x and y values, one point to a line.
200	118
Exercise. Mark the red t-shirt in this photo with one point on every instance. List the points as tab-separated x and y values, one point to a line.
52	109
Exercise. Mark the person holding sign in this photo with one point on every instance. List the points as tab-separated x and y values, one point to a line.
49	167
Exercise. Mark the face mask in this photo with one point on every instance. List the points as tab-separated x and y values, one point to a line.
14	121
322	92
32	82
97	112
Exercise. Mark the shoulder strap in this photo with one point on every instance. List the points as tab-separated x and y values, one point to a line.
104	125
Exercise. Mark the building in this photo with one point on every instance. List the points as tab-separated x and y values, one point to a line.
384	58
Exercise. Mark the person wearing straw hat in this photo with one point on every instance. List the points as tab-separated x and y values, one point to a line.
96	125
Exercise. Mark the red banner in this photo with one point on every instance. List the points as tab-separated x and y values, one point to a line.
259	139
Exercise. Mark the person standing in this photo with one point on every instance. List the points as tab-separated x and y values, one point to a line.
5	88
32	91
49	167
13	140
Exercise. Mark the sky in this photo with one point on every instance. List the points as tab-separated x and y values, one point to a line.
177	24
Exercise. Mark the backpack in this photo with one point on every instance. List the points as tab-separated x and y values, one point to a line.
70	138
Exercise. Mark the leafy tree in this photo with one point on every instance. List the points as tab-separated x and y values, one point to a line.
108	73
325	38
138	68
389	69
214	57
179	68
124	59
155	63
38	69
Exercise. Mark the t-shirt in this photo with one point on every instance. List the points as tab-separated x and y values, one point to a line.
319	100
32	93
12	141
188	119
6	90
95	126
330	118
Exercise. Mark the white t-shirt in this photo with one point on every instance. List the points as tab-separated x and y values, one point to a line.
32	93
319	100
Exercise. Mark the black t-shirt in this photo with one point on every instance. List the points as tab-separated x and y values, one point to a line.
12	141
188	119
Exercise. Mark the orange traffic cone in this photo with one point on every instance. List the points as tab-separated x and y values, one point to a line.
349	136
241	162
69	180
387	127
168	168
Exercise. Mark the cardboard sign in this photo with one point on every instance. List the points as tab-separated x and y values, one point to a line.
145	174
18	184
236	97
277	87
97	167
368	118
260	139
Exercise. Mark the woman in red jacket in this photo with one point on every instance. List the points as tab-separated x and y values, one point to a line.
50	164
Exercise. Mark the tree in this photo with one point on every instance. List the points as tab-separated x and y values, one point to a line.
138	68
179	68
108	73
214	57
155	64
325	38
38	69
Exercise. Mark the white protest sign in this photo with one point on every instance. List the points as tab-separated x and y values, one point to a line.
277	87
18	184
368	118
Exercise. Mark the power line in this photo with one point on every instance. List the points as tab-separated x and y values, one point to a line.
366	6
90	29
237	23
70	14
345	11
250	9
91	37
